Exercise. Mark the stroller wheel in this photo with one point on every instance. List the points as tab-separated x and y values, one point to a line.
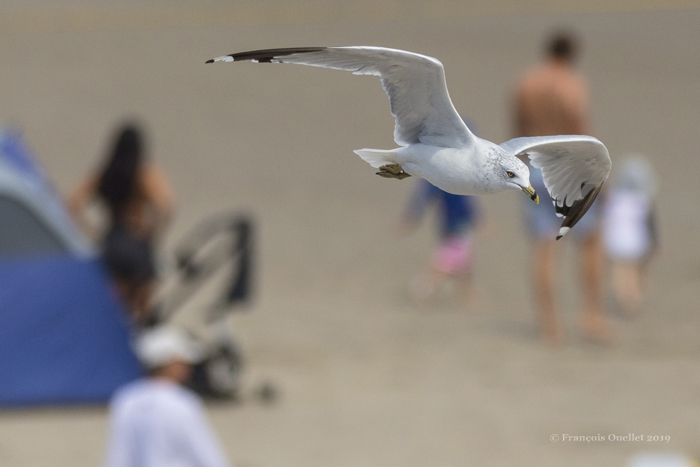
223	371
267	393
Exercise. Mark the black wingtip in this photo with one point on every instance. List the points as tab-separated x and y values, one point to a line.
559	236
267	55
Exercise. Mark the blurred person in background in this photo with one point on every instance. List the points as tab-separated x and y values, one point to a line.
552	99
139	204
156	421
453	258
629	230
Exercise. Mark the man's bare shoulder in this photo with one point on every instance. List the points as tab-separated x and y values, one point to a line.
532	77
547	77
578	81
539	79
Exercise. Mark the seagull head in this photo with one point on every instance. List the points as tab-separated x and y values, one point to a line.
513	173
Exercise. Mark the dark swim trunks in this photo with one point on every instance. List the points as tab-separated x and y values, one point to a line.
127	256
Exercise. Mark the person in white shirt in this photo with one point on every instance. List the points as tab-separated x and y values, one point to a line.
155	421
629	230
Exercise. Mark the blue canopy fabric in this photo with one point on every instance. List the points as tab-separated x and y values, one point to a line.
63	336
16	153
33	216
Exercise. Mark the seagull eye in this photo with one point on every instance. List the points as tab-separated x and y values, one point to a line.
510	174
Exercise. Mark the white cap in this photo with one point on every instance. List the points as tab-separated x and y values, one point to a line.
164	344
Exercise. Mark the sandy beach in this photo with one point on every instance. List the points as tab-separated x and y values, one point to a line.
366	377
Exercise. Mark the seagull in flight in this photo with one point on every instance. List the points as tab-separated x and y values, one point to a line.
435	144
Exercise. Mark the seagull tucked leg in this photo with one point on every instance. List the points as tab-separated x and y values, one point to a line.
392	171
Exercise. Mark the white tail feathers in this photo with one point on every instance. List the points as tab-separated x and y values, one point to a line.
377	157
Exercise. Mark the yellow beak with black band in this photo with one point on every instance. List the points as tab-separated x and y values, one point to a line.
531	193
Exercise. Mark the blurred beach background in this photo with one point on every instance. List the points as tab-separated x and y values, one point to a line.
366	377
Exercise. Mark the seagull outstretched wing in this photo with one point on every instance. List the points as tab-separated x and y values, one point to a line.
414	83
574	169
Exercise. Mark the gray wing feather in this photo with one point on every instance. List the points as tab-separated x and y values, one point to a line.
574	169
414	83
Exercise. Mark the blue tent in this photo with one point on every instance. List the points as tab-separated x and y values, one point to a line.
63	336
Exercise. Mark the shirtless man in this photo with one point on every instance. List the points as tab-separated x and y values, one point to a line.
552	99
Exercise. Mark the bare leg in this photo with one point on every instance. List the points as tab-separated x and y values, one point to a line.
141	302
595	326
136	298
627	282
544	277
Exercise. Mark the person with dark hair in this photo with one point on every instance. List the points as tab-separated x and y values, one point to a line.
139	202
563	47
552	99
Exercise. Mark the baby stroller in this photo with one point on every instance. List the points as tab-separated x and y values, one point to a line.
210	279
